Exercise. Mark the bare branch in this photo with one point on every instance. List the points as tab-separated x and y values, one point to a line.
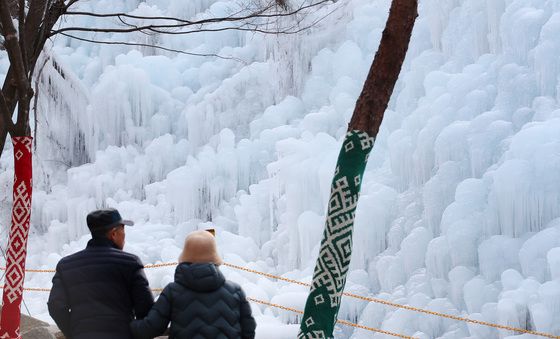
5	114
124	15
154	46
13	49
294	29
34	19
256	14
239	28
260	14
282	4
53	12
21	28
70	3
16	60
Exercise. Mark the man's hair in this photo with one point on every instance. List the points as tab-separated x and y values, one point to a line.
103	233
100	234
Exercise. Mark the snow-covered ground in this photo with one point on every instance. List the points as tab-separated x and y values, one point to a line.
460	202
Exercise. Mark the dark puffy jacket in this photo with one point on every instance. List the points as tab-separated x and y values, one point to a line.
98	291
201	304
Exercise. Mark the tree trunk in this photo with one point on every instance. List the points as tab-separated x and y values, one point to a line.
17	245
17	89
329	276
9	92
385	69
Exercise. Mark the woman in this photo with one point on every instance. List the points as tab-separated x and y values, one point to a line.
200	303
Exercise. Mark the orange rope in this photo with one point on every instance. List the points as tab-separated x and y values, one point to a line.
344	322
406	307
368	299
161	265
34	289
33	270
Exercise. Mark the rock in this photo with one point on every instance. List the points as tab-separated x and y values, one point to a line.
31	328
37	333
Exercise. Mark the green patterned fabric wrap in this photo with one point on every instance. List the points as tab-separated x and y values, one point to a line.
329	277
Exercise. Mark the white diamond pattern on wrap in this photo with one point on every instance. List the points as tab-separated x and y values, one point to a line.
10	318
27	142
329	276
7	336
20	214
332	267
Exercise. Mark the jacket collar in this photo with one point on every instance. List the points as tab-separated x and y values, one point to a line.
199	277
101	242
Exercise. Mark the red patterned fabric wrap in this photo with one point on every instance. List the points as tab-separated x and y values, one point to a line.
17	245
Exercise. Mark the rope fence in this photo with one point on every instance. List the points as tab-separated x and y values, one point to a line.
406	307
351	295
343	322
258	301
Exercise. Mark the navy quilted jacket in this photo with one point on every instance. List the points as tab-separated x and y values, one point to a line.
200	304
98	291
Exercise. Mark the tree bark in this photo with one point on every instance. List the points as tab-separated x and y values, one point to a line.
385	69
9	93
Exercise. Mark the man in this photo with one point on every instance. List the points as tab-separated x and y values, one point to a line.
99	290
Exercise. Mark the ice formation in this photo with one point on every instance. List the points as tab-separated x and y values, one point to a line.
460	205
